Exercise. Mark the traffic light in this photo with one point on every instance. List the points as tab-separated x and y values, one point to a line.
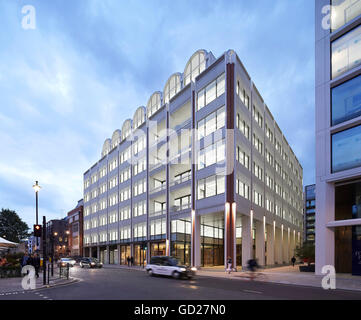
37	230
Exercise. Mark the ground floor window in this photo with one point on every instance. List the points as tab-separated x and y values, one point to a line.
124	254
140	255
181	251
157	249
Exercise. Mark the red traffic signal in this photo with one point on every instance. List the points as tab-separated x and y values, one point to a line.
37	230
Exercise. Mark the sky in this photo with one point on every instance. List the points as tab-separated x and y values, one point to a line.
66	85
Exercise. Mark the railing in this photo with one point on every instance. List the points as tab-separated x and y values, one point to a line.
157	213
157	189
182	125
181	179
182	207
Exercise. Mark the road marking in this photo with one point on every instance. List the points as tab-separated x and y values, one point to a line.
251	291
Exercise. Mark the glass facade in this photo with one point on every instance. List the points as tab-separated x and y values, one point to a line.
344	11
346	149
346	101
346	52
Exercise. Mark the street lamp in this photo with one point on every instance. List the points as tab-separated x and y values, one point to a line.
37	188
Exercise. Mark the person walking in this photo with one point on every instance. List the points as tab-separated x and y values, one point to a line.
293	260
128	260
229	265
131	261
36	264
24	260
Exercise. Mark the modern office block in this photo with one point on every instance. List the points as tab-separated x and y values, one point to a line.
338	135
310	213
202	173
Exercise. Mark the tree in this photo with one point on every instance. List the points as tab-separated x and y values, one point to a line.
306	252
12	228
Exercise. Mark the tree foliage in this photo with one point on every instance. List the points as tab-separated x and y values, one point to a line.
12	228
306	252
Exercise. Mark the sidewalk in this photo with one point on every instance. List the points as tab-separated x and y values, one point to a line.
9	285
287	275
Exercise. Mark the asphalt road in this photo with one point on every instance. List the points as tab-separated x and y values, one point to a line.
123	284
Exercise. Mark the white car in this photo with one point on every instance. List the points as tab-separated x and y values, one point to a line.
169	266
63	262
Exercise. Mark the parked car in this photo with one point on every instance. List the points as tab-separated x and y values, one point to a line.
63	262
77	258
169	266
90	263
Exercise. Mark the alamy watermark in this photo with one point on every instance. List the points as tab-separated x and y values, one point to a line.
29	281
29	17
329	280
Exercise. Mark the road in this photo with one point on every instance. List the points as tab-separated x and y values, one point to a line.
123	284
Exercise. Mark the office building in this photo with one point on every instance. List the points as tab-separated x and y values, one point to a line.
310	214
338	135
75	228
202	173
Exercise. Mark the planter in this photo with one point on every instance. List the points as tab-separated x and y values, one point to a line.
10	272
310	268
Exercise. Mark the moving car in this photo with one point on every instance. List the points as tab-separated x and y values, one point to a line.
90	263
169	266
63	262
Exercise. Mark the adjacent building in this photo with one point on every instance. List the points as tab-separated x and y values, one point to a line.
202	173
75	227
57	235
338	135
310	214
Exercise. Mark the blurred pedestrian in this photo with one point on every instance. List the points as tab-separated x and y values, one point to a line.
293	260
128	260
131	261
36	264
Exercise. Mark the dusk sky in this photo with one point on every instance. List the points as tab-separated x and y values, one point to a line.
68	84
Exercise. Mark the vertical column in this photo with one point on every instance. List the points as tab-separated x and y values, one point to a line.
246	240
98	252
278	246
107	256
118	253
270	244
286	235
90	252
230	206
196	240
260	242
325	237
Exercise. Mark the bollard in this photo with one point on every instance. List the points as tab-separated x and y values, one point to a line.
67	271
48	273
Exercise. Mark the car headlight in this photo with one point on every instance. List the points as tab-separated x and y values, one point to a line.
194	269
93	263
183	269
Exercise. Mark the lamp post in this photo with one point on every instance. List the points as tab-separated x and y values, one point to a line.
36	188
52	252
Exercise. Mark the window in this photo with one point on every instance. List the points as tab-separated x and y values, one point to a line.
113	182
154	104
212	91
346	149
113	199
344	11
242	95
124	175
346	101
212	154
124	194
257	143
157	228
172	87
243	126
257	116
182	203
346	52
242	188
258	171
194	67
124	213
242	157
125	155
140	166
212	123
140	187
112	164
139	209
257	198
124	233
140	230
211	186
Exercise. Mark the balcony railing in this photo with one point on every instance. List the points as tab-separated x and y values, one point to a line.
181	179
157	213
157	189
181	207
